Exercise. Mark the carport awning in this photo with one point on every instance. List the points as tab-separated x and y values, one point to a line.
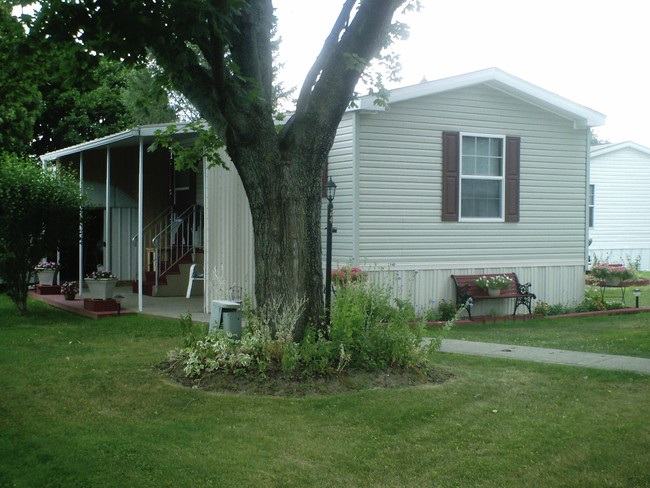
126	138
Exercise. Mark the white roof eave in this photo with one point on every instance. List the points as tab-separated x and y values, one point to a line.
146	131
581	116
606	149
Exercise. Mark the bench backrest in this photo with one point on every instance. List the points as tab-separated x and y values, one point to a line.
474	290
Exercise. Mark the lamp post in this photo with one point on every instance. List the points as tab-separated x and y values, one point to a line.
637	293
330	188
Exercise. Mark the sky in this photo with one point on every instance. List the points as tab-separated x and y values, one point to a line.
593	52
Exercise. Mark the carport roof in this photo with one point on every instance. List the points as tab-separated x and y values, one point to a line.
130	137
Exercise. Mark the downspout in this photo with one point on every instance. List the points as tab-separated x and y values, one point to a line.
81	226
588	181
140	220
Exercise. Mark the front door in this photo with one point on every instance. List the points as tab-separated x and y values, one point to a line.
183	194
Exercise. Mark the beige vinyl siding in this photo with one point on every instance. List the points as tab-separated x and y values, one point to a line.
229	248
621	229
342	170
400	184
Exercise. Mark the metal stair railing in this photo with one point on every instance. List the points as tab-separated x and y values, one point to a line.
150	230
182	236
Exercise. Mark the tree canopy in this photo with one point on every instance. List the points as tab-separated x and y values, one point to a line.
56	93
19	95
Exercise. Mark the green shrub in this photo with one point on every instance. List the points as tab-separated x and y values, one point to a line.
558	309
446	310
367	332
190	331
589	305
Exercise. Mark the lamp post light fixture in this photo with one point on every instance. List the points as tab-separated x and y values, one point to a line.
637	293
330	192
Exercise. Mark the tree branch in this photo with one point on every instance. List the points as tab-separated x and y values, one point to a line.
328	47
341	69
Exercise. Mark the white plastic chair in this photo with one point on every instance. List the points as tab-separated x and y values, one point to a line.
193	277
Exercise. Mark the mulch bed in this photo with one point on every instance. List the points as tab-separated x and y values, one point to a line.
278	383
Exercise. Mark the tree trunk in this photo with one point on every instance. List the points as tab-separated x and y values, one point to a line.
18	286
285	204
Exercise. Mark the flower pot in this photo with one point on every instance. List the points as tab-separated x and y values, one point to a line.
69	296
101	289
46	276
494	292
613	281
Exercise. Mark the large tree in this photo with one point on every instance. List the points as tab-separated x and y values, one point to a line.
218	53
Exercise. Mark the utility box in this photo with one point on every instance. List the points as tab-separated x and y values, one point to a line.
226	314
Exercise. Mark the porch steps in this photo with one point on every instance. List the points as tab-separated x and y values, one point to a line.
174	282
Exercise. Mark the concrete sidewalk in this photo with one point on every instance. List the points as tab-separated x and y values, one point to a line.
544	355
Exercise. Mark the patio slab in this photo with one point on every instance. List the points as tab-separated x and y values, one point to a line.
164	307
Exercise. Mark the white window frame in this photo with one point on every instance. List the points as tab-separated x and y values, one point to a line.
501	178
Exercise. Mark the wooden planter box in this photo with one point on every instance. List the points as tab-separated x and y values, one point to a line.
95	305
48	289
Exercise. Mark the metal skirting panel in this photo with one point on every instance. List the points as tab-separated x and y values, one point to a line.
426	288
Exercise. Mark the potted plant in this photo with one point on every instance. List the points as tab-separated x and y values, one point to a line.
69	289
493	284
101	284
346	275
46	271
612	274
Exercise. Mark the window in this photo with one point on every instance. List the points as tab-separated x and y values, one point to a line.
592	196
480	177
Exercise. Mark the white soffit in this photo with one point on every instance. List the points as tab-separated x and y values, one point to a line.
500	80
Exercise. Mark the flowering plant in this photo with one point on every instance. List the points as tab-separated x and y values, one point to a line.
500	281
69	288
101	275
51	265
347	274
542	308
608	271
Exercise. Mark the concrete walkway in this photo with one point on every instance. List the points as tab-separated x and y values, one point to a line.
167	307
544	355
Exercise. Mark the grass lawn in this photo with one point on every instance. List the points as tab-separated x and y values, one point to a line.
616	294
81	405
627	335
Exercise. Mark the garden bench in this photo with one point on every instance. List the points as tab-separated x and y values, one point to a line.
466	288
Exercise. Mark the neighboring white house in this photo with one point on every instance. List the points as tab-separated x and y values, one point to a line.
478	173
620	203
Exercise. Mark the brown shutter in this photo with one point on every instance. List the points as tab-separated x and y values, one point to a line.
512	178
450	175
